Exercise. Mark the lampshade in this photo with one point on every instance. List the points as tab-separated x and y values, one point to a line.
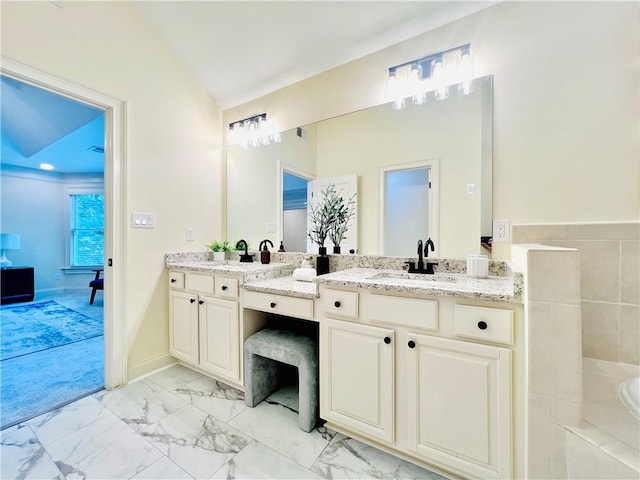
9	241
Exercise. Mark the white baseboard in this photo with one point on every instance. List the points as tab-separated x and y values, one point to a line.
147	367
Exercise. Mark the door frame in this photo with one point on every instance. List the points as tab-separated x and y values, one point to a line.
433	164
115	320
284	167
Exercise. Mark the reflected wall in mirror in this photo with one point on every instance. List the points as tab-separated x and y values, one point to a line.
456	132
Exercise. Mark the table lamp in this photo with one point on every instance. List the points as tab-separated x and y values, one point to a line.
8	241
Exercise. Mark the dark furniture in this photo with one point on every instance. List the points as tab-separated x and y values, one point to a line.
96	284
16	284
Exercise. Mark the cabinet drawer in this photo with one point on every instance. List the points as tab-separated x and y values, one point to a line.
176	280
200	283
290	306
338	303
412	312
484	323
226	287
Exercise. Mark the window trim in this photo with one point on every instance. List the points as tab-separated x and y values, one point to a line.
70	190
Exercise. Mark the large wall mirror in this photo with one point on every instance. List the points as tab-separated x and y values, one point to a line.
445	144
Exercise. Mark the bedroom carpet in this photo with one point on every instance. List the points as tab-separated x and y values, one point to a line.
51	355
39	326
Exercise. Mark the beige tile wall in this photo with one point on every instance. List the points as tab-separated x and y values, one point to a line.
554	352
610	283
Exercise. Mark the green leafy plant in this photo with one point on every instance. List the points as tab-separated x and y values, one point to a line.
330	217
220	246
342	212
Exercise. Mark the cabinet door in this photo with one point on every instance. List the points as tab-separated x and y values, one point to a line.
459	396
220	337
357	377
183	326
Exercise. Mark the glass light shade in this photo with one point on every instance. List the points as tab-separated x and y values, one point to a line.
439	79
465	72
394	90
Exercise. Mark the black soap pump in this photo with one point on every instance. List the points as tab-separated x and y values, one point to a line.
265	254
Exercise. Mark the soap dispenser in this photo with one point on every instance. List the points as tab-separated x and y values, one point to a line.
265	254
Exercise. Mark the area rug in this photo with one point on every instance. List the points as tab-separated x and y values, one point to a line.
26	329
36	383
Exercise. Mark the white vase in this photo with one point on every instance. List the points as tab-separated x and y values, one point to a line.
218	256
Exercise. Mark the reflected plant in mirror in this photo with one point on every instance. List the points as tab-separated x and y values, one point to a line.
331	217
320	217
342	212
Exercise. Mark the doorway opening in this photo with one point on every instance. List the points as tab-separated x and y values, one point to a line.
408	210
113	342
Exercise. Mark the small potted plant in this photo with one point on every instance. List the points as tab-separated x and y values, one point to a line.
219	249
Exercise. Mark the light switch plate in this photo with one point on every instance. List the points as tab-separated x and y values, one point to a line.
191	236
271	228
143	220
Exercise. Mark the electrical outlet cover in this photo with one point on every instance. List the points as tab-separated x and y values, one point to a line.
501	231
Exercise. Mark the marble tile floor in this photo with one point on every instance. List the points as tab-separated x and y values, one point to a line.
178	424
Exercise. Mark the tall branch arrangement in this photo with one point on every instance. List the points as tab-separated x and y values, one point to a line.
331	216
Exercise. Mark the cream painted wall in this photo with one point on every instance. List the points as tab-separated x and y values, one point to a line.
173	137
566	78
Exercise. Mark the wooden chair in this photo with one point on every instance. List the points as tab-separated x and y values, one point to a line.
96	284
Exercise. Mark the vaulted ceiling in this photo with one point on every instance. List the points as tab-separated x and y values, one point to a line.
38	126
239	50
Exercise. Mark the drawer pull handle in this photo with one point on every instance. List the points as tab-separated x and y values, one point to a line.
173	280
482	325
224	288
412	344
273	304
387	340
337	304
192	300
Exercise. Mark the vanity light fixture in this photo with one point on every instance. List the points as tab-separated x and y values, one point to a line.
253	132
434	73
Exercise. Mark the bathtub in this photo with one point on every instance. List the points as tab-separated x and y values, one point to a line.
629	392
606	444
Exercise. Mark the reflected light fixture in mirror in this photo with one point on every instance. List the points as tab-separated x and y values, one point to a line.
253	132
433	73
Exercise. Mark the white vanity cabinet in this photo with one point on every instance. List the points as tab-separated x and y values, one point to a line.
357	362
204	323
459	404
410	374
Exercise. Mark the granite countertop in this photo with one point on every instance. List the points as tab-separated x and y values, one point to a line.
284	286
495	289
249	271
